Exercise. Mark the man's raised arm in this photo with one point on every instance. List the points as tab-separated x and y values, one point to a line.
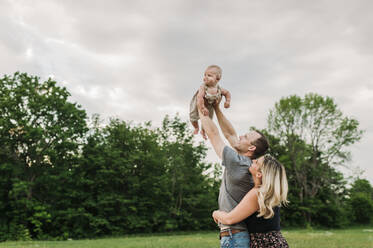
213	134
226	127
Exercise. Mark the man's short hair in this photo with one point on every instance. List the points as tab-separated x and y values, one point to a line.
261	145
218	70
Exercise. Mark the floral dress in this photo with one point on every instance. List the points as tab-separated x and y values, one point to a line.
273	239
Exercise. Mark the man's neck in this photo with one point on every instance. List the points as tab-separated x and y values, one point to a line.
244	154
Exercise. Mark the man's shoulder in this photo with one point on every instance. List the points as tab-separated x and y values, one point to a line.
231	156
227	150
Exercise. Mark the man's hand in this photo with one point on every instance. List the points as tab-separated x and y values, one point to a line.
217	102
203	133
204	110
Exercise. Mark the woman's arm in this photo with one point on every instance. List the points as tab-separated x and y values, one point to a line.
247	206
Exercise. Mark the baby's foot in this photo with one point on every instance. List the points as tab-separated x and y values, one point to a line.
203	133
195	131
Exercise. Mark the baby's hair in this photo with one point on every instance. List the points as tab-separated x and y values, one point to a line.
218	70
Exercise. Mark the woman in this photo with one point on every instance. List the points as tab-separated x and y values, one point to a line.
260	207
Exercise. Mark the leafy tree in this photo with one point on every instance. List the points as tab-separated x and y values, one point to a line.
315	135
193	194
135	178
40	131
362	186
116	184
59	179
326	208
361	202
318	122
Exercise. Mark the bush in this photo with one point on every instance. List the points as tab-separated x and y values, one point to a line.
361	208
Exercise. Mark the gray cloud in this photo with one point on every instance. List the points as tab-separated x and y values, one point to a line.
141	60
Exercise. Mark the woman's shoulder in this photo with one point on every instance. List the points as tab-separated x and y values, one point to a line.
252	195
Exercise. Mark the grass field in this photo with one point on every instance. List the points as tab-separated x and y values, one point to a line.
354	237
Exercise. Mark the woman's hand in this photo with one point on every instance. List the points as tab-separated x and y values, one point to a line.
215	215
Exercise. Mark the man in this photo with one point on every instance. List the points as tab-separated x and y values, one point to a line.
237	180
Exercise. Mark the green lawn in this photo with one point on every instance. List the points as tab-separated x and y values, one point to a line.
354	237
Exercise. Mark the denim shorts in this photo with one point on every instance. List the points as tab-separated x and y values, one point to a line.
237	240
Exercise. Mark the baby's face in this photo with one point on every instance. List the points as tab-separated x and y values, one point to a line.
211	77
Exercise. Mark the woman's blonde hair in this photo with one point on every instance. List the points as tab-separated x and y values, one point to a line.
274	188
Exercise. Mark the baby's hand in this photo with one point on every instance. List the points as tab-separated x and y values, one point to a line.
227	104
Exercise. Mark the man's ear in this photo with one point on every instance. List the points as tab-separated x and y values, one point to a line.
252	148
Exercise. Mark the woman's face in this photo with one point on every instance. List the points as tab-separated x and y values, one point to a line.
256	165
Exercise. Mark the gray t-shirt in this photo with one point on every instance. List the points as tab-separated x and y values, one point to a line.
237	181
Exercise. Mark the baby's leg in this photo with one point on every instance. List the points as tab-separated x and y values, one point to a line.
193	114
196	127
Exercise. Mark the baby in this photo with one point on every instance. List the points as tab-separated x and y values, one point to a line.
204	99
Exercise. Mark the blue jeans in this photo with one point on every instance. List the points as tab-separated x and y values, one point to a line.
237	240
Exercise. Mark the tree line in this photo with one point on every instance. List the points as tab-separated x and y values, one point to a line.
64	175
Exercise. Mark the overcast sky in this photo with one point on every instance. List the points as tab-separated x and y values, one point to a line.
140	60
